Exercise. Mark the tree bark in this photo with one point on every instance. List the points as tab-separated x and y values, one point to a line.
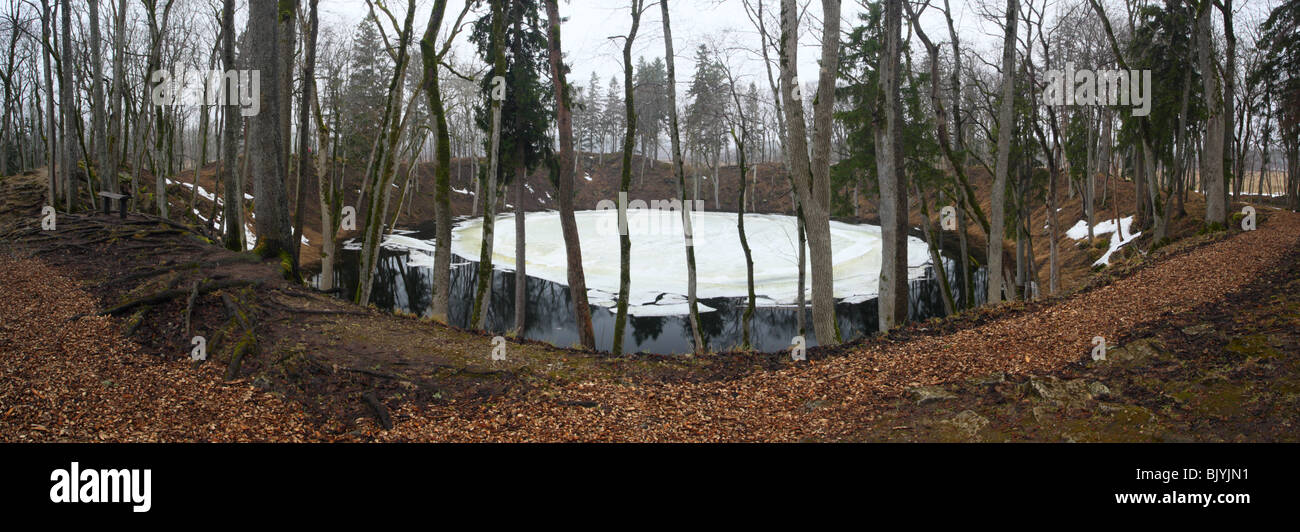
568	171
1212	144
266	149
482	297
892	299
304	117
811	173
232	214
1005	125
629	142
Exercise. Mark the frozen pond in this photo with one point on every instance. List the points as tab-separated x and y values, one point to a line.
658	277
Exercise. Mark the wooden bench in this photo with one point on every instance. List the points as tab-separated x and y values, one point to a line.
121	201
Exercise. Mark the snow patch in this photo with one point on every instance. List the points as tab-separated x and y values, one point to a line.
1080	232
659	257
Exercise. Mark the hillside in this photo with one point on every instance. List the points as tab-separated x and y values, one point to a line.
1199	351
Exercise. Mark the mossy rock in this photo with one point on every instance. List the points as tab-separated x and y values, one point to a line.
929	394
1253	346
1066	393
1140	351
966	426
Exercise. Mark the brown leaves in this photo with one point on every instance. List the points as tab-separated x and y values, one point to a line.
81	381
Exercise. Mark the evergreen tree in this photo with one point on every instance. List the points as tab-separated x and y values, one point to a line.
528	111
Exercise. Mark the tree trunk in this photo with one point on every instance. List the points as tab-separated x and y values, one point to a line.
1212	150
304	117
98	126
629	140
66	105
54	167
811	172
483	294
266	149
568	171
521	263
233	210
998	202
1229	104
892	300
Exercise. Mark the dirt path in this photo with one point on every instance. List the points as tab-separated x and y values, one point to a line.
833	398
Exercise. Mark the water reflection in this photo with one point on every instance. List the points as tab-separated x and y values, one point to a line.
399	285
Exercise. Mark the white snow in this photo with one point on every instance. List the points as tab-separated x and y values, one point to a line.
659	256
1080	232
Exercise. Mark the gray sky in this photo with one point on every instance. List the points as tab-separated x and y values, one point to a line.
590	23
588	48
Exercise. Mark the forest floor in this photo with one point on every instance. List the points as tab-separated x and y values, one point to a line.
97	318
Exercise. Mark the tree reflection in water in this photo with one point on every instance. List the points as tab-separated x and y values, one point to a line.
400	286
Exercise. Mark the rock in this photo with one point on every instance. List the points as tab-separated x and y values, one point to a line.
1135	351
1072	392
929	394
1197	330
968	424
1097	389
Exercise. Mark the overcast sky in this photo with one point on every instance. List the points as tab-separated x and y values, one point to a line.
588	47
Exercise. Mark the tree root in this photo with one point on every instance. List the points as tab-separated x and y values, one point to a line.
189	306
136	320
381	412
168	295
247	341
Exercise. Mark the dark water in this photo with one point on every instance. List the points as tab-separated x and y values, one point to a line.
401	286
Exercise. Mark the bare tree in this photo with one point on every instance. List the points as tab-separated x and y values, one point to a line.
233	209
266	147
107	179
892	300
998	203
629	142
380	171
568	224
693	308
1212	145
811	172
